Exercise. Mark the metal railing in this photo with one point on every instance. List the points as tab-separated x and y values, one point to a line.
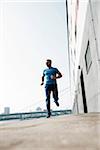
28	115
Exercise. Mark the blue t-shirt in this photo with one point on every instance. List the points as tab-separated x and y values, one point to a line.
48	73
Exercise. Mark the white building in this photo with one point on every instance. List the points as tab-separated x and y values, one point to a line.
6	110
84	48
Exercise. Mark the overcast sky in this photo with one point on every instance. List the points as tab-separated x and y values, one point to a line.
31	32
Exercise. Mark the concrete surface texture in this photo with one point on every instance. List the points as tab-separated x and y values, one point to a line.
68	132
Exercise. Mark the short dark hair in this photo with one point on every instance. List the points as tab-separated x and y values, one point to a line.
49	60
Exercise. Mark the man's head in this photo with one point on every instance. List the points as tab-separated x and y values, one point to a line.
48	63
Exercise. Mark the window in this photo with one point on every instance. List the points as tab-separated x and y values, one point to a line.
77	4
76	9
74	76
74	53
75	30
88	59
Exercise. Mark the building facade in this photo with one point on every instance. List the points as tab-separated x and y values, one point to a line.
6	110
84	43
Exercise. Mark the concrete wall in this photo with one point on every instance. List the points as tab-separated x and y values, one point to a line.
95	6
88	23
71	31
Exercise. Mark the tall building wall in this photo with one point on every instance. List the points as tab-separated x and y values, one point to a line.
95	8
71	47
86	35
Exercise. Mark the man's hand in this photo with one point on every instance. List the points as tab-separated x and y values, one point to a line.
53	77
42	83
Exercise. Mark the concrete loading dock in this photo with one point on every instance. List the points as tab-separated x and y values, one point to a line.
67	132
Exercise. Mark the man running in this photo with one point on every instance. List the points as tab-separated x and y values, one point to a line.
49	76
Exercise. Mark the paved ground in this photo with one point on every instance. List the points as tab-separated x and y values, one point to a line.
68	132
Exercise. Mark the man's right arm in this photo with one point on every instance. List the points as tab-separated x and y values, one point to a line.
42	80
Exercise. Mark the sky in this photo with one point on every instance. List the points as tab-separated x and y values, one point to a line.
31	32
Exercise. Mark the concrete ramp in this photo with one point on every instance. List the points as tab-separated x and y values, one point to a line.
68	132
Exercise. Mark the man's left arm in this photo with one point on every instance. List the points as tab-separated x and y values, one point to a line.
59	75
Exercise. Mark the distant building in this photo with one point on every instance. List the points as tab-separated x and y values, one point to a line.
84	54
38	109
6	110
45	110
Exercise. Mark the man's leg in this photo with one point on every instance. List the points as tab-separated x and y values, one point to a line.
55	94
48	91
